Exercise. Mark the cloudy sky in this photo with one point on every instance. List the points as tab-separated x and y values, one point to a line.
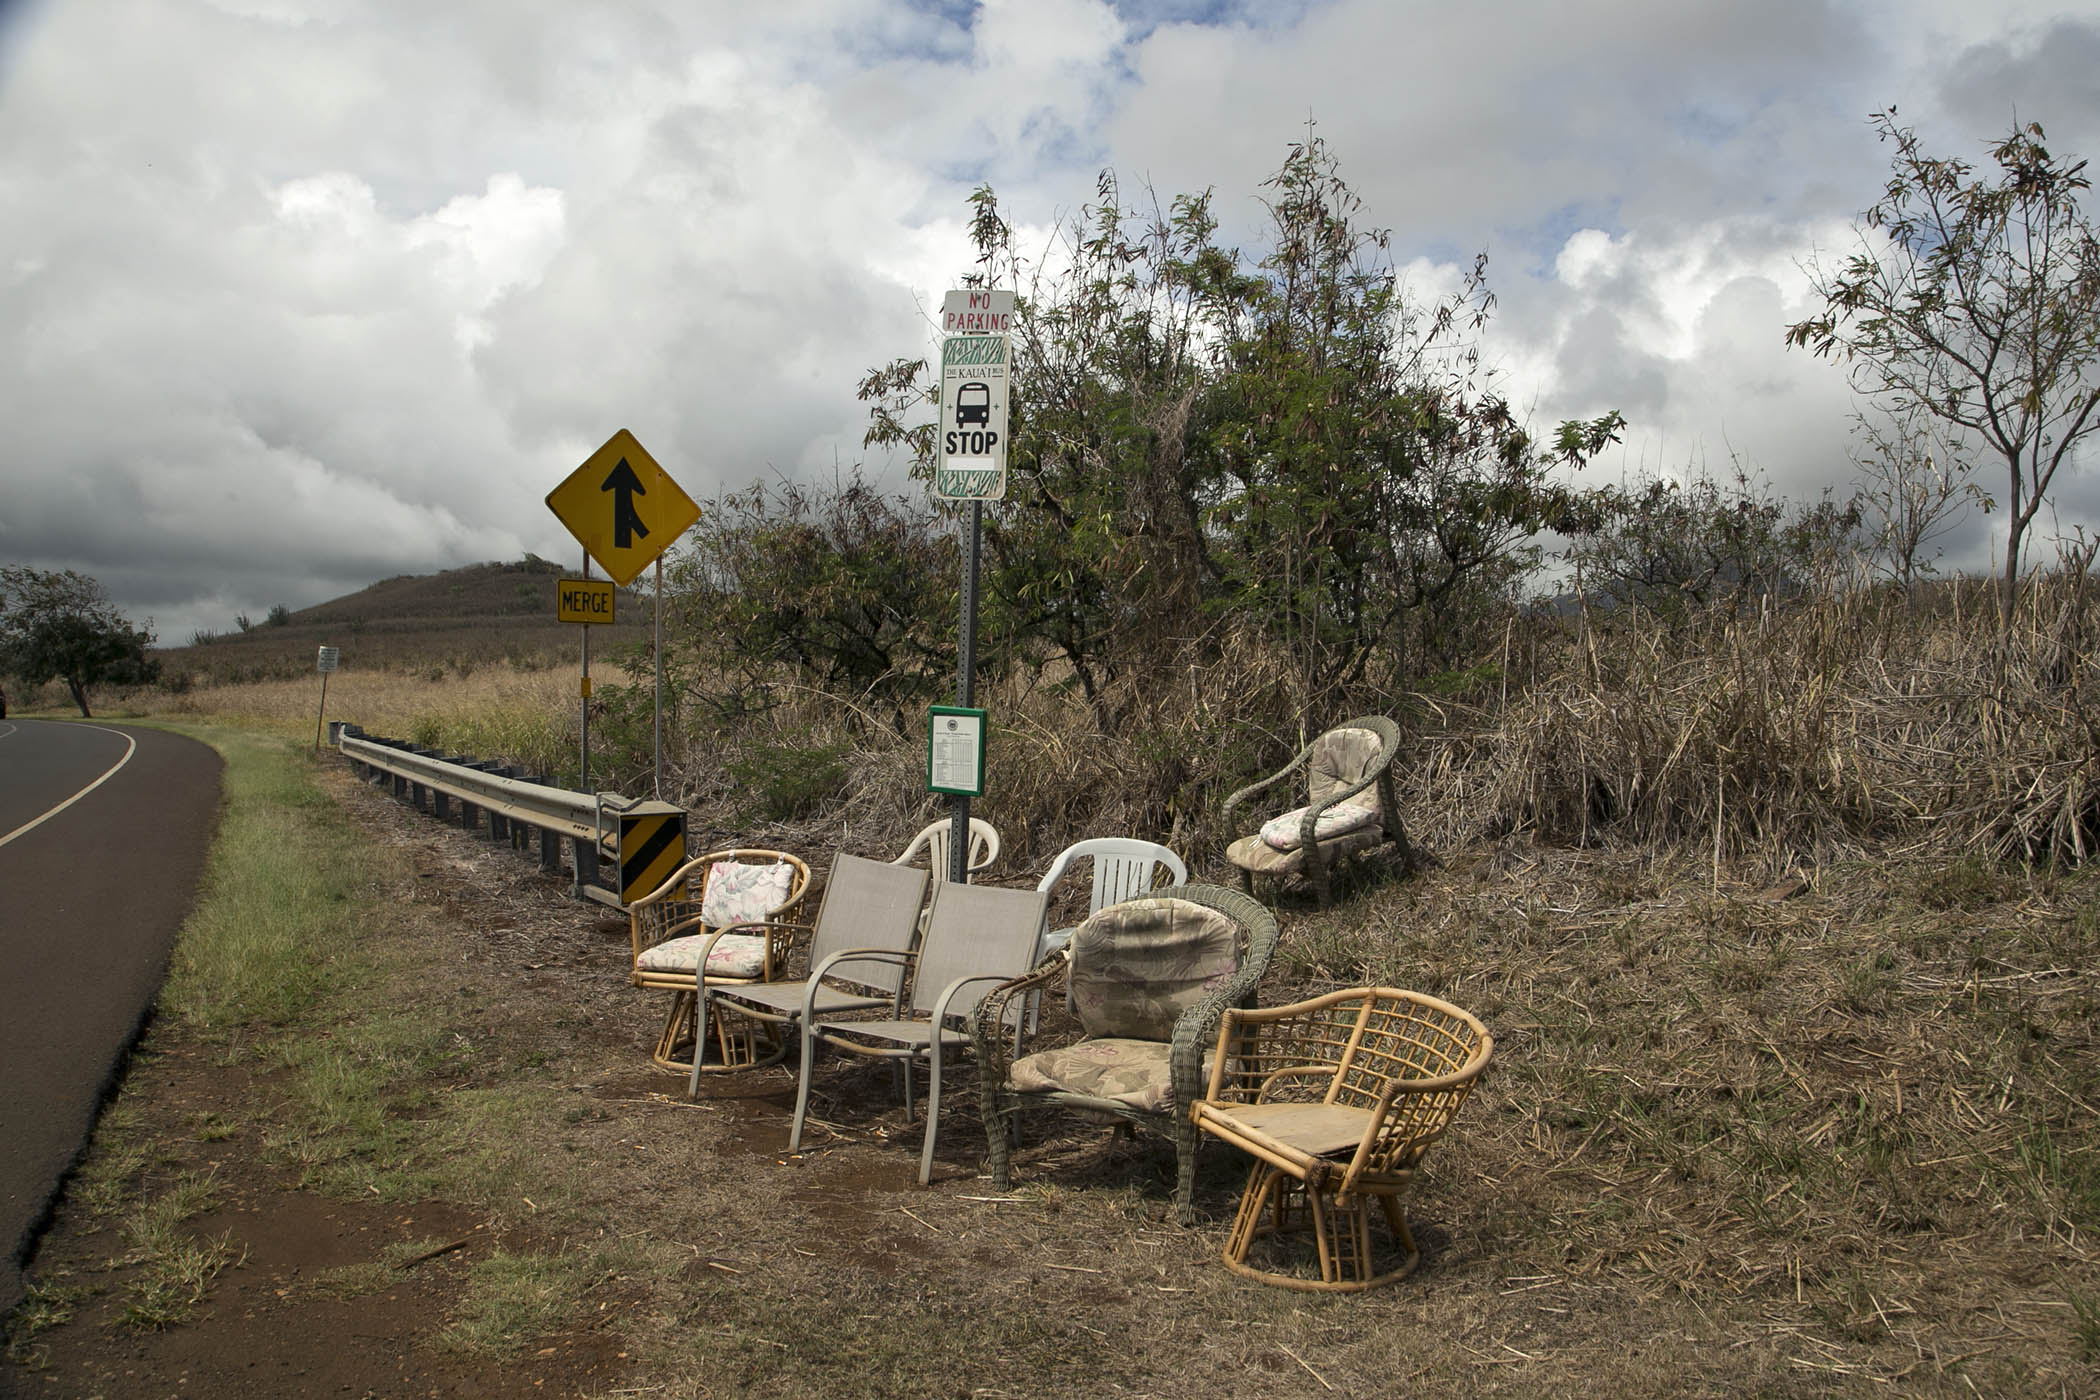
299	294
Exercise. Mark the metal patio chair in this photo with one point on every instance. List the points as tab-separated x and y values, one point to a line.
976	937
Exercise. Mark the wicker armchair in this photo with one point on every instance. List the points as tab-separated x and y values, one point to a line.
1341	765
1149	979
1337	1099
739	923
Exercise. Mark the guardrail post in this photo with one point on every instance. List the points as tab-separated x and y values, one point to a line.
499	825
586	853
469	814
440	802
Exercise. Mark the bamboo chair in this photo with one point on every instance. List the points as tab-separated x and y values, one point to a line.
868	906
1340	766
1149	979
976	936
934	840
737	930
1337	1099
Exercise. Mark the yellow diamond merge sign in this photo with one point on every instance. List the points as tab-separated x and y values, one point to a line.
622	507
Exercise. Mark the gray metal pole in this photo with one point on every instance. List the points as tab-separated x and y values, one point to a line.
659	678
584	723
966	691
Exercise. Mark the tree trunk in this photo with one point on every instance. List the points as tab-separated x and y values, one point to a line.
79	695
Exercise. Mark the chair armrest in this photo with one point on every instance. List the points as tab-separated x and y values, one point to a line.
948	994
988	1038
1192	1032
1252	788
823	969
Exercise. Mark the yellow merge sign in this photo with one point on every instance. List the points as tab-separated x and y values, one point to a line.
584	600
622	507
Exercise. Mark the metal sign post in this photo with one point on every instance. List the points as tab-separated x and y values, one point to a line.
325	664
966	698
975	389
583	724
659	678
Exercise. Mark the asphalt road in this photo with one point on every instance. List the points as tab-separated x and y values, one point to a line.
103	834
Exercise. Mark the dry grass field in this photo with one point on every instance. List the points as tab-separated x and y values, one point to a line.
1783	930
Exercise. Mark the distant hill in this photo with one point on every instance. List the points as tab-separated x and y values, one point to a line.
480	613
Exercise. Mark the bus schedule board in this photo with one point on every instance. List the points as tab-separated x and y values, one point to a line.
955	751
975	358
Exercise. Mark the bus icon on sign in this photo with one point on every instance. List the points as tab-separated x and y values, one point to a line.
973	404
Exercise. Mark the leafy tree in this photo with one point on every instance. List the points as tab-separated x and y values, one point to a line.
63	625
1676	549
845	589
1976	299
1289	442
1096	553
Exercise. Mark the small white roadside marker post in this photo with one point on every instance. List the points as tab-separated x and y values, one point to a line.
324	664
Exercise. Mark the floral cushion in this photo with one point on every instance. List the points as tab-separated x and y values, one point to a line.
734	955
744	894
1283	833
1134	1073
1138	965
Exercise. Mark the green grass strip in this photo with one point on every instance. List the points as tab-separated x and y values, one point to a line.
277	922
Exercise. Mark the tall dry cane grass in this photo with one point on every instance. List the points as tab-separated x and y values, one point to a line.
1153	757
1831	727
1851	722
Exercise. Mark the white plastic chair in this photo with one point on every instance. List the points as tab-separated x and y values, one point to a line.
1124	868
984	846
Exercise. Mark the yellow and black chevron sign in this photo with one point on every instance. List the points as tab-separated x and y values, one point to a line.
652	845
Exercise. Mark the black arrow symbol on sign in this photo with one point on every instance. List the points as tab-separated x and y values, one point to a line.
627	521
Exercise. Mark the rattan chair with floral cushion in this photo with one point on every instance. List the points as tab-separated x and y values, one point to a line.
740	921
1148	980
1350	807
1337	1099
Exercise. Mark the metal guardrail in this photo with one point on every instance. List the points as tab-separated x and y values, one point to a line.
513	802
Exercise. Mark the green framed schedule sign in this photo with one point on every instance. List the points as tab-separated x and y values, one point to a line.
955	751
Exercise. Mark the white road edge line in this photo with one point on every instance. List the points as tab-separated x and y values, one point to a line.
131	746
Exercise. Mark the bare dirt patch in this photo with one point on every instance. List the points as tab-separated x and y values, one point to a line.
1728	1147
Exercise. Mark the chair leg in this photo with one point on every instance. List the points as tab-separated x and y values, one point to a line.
933	1108
1262	1182
1341	1233
1187	1139
678	1021
803	1075
692	1083
999	1125
742	1042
